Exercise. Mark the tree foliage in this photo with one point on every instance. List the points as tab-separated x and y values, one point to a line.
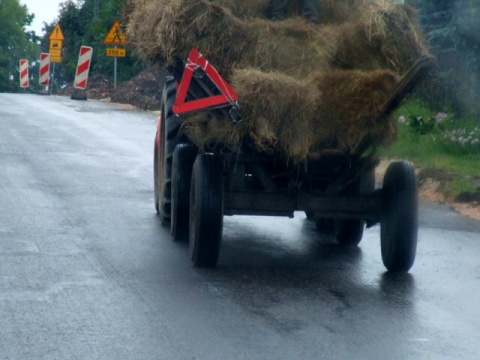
453	32
465	30
81	28
16	43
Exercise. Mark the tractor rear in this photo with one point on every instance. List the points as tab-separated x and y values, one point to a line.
196	185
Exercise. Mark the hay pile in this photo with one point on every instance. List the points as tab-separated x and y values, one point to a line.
304	88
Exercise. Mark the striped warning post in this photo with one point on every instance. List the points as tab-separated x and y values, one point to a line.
24	81
44	77
83	67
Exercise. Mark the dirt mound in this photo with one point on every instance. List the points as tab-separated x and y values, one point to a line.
143	91
98	87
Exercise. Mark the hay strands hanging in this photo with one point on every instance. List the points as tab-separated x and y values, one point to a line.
209	89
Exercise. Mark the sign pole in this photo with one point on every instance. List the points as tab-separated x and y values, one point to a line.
56	43
115	37
115	71
53	78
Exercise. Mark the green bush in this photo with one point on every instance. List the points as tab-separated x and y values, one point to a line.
439	140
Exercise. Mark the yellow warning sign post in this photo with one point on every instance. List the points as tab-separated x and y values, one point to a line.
57	33
56	59
115	37
55	50
116	52
56	44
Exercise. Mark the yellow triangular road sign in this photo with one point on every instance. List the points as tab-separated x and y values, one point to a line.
57	33
116	36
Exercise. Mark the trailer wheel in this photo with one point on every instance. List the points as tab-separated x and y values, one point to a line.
399	224
169	139
182	164
206	211
156	178
348	232
324	225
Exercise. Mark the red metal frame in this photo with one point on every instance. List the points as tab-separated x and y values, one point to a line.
228	95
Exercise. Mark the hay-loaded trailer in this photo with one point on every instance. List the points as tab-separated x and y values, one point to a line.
196	186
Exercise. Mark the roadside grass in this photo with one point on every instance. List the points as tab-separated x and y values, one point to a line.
426	151
461	190
439	141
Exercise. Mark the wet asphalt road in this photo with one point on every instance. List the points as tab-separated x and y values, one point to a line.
88	272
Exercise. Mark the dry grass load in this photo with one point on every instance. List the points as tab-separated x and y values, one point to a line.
163	30
304	87
367	34
382	38
337	110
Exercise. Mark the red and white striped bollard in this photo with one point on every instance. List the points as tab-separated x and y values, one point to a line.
24	78
44	78
83	67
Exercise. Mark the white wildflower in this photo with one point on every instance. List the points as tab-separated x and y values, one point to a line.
441	117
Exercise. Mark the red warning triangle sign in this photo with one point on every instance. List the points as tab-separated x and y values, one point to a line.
228	95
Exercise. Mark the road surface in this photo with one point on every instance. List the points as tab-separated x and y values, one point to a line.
88	272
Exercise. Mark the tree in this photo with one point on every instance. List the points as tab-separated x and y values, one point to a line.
110	12
15	44
81	27
453	30
465	30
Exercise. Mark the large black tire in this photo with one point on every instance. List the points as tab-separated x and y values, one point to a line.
182	165
324	225
206	211
399	224
156	177
169	139
349	232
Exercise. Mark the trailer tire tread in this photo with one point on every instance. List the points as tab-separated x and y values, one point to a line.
182	166
170	139
399	225
206	211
